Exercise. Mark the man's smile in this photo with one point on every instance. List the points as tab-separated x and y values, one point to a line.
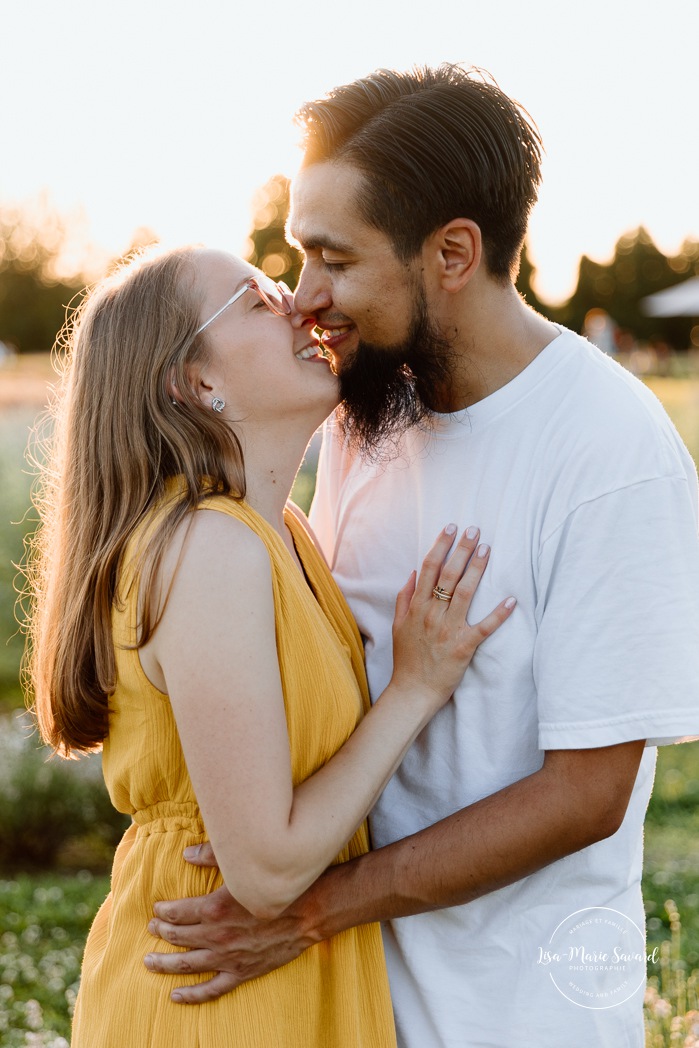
333	338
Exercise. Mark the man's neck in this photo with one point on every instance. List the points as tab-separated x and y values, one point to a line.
496	337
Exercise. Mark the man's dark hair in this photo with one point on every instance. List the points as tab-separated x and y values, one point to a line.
433	145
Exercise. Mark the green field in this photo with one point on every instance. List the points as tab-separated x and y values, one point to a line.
44	917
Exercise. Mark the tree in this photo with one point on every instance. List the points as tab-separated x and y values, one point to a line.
267	246
33	296
638	268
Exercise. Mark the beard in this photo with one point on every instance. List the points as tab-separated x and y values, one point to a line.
384	390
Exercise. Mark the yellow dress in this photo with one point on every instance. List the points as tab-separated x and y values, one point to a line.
335	995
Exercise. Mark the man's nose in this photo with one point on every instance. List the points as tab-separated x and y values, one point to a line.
312	292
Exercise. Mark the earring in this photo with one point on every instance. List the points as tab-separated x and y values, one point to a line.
218	405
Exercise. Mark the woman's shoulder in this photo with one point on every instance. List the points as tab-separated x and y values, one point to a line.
223	539
211	559
226	533
230	521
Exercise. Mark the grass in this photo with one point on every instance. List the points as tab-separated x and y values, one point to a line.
671	1004
680	396
44	919
43	925
671	867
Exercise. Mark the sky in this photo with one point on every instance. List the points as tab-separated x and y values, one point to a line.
168	114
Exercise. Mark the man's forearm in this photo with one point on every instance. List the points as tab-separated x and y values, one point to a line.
576	799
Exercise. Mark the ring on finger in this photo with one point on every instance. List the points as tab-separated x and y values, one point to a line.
441	594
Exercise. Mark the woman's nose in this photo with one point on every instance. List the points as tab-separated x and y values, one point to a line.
297	318
301	320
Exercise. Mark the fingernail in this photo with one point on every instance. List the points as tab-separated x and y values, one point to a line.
176	997
148	960
471	533
450	529
151	927
483	550
510	603
192	852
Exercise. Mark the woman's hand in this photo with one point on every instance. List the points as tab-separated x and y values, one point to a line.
433	643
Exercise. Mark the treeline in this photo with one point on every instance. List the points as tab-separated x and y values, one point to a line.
34	297
637	269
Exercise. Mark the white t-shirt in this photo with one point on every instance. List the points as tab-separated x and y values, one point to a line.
581	485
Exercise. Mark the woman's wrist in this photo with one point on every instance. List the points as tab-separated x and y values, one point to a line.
411	699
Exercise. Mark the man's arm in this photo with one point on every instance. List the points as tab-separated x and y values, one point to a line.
578	797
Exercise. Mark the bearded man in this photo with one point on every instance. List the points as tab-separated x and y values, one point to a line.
516	818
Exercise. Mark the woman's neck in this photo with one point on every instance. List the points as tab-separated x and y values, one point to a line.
272	461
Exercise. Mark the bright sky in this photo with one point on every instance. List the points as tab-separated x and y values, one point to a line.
169	114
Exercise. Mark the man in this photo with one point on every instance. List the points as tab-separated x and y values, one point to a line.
522	803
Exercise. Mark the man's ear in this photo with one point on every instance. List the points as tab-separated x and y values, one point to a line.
455	251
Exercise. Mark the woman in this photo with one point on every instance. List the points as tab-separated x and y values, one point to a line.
211	653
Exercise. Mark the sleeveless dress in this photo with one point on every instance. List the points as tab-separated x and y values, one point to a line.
335	995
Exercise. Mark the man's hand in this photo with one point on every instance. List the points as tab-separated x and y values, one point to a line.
577	798
220	936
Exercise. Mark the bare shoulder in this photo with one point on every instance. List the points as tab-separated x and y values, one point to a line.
213	592
210	525
215	546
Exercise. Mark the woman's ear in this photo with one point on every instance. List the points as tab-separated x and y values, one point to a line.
455	251
197	383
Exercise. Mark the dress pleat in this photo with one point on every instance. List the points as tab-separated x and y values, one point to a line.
335	995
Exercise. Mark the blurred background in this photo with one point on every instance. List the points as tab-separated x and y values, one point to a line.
172	122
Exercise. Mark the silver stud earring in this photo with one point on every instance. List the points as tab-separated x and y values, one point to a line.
218	405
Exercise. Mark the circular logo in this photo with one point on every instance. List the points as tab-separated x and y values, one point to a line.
596	957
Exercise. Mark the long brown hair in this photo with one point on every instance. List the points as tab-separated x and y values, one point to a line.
117	438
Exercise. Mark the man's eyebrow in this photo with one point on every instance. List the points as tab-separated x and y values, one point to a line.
318	242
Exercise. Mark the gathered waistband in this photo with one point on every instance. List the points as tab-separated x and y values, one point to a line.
169	816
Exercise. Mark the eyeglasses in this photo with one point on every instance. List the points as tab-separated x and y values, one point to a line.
276	297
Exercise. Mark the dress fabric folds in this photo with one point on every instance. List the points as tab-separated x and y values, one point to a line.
336	994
